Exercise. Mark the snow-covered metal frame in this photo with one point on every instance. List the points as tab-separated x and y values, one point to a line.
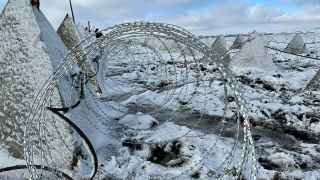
38	151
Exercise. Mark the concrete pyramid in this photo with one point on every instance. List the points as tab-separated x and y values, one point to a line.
97	112
69	33
314	84
296	45
55	51
220	48
238	42
254	54
30	52
72	36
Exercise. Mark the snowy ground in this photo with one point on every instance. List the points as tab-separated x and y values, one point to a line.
283	151
142	129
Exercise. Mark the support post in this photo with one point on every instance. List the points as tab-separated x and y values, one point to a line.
35	3
71	7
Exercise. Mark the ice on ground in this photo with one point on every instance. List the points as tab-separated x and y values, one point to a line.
315	127
311	175
150	99
6	160
138	121
99	122
268	93
167	132
282	160
189	160
114	88
206	154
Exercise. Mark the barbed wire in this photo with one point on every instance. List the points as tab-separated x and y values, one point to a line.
275	49
161	44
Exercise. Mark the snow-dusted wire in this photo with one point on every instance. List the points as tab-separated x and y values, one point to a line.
112	37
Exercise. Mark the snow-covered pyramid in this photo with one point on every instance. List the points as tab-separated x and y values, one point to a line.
94	117
70	36
30	51
219	47
55	51
69	33
73	35
238	42
314	84
296	45
254	55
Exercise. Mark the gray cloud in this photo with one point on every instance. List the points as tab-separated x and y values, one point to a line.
219	17
241	17
104	12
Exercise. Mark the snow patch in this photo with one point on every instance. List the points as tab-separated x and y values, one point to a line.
139	121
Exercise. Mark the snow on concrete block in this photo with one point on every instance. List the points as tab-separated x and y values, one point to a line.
296	45
55	51
138	121
24	66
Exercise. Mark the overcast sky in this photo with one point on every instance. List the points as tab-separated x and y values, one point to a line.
198	16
